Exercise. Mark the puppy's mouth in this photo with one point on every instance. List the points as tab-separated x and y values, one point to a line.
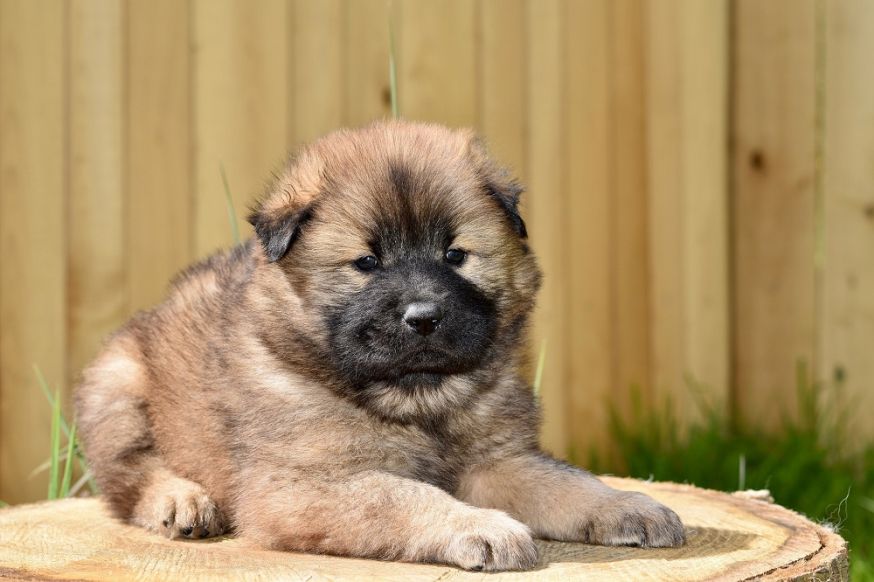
426	367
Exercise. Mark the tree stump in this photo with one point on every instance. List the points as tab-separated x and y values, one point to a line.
730	537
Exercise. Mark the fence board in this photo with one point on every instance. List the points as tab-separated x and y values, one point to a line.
367	94
317	84
437	68
773	202
158	120
589	335
501	108
240	109
96	222
32	234
546	209
614	113
687	115
847	300
628	212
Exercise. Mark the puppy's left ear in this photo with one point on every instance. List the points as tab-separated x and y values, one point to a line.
278	230
499	184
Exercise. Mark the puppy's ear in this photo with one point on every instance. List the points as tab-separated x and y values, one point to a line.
499	184
507	191
277	231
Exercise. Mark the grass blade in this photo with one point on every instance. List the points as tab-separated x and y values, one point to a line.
47	392
538	375
56	446
68	464
86	478
45	465
229	203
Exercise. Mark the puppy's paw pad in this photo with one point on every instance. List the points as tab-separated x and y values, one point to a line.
635	519
179	508
492	541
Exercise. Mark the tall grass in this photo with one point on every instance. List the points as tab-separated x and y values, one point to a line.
392	66
808	461
62	453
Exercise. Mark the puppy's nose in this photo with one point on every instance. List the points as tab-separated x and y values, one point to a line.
423	317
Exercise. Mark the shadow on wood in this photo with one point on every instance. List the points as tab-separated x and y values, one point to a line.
730	537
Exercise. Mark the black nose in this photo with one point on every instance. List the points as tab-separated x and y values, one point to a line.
423	317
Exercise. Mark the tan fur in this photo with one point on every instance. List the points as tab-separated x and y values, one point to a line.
218	408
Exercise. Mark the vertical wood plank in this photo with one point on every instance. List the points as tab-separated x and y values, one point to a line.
502	114
317	61
773	202
32	234
437	54
240	109
158	147
96	246
687	73
587	269
628	212
546	209
367	94
847	302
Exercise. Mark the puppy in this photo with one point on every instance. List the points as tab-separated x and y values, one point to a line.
347	381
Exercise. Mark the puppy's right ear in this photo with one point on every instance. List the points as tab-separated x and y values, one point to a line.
277	230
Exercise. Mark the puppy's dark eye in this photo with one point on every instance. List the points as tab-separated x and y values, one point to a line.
367	263
455	256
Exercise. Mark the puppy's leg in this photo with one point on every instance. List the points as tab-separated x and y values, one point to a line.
380	515
565	503
115	433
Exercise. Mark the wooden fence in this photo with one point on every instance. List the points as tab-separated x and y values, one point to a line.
700	178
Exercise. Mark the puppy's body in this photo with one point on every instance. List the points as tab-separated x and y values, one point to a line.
312	400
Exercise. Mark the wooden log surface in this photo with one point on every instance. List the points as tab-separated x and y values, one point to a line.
730	537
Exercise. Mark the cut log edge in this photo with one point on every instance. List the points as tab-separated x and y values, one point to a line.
824	554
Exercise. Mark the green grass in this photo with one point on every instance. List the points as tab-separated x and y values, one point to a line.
808	463
60	453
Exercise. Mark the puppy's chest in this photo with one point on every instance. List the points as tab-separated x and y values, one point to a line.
427	456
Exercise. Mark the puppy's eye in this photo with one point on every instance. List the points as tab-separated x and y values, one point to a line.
367	263
455	256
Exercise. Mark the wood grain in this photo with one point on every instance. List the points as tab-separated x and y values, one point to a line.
847	206
316	59
772	203
33	225
589	333
158	123
729	538
240	73
546	211
96	261
630	265
366	93
437	61
687	147
501	107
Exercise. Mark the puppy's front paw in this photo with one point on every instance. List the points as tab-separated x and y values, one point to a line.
633	519
178	507
491	540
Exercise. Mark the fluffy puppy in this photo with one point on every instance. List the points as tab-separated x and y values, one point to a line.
346	382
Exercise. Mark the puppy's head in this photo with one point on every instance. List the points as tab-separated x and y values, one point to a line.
406	264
